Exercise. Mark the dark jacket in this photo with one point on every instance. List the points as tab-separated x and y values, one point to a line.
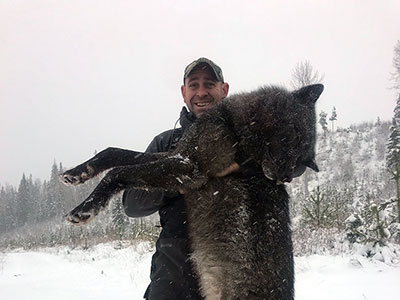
172	275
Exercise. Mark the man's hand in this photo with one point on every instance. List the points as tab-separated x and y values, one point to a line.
234	167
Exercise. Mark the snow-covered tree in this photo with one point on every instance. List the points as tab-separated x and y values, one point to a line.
318	213
7	202
396	65
371	224
322	121
54	193
393	152
119	219
333	118
378	122
24	202
10	208
393	144
380	223
35	198
339	199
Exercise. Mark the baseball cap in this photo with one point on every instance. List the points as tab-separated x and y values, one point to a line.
202	60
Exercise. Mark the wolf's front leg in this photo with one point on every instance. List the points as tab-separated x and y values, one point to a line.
104	160
93	204
170	173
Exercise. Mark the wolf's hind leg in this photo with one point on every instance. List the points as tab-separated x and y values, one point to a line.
170	173
94	203
104	160
210	274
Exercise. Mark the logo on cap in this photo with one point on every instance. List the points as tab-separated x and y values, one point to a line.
202	60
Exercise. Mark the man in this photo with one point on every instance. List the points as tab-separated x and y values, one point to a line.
172	275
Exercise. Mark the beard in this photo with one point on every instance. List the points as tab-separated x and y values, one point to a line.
200	105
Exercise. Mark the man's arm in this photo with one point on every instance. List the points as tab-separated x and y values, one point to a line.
139	203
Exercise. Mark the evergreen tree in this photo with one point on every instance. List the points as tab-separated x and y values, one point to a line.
66	192
371	223
31	212
119	219
318	212
54	200
380	224
23	204
39	186
393	153
9	201
333	118
338	201
378	122
393	144
322	121
3	208
396	65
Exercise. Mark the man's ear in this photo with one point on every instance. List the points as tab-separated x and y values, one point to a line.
183	91
225	88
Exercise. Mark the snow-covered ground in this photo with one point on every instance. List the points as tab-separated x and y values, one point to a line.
99	273
105	273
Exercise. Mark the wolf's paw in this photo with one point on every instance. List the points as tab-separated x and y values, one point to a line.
77	175
80	216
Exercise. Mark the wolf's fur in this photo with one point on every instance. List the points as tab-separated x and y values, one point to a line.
239	228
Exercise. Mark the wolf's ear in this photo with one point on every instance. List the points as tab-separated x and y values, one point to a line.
309	94
312	165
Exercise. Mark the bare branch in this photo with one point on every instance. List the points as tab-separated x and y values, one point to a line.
303	74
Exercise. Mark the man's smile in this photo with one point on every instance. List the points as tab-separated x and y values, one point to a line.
202	104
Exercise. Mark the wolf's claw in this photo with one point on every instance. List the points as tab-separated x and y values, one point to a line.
77	175
80	218
70	180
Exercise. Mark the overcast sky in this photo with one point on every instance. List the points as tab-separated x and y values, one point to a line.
79	76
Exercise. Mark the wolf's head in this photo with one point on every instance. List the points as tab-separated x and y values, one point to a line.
289	133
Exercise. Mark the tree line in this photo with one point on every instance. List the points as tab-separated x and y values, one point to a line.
33	215
353	198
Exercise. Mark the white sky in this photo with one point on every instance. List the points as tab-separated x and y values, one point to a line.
78	76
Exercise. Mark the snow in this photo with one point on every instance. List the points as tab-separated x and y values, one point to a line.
345	278
59	273
106	272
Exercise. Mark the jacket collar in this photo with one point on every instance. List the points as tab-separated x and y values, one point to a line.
186	118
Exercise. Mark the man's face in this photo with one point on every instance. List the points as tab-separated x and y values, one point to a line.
201	91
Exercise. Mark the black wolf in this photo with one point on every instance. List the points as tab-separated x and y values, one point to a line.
239	228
